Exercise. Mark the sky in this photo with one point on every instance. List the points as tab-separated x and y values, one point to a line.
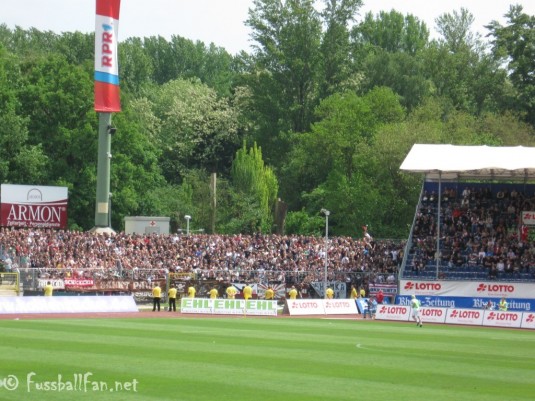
218	21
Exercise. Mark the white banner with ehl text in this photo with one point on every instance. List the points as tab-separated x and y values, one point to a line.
256	307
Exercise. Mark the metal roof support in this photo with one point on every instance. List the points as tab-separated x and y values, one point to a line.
437	254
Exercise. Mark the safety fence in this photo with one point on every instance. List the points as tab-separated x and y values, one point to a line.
140	282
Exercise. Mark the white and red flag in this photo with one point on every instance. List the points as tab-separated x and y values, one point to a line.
107	96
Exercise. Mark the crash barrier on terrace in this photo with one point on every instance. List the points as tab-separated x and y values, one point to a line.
78	304
9	284
139	282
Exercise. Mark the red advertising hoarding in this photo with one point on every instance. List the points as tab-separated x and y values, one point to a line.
33	206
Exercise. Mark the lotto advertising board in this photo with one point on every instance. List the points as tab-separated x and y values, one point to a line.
528	321
339	306
393	312
470	317
33	206
502	319
433	315
485	289
297	307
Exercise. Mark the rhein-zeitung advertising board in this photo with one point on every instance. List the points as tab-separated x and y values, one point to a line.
33	206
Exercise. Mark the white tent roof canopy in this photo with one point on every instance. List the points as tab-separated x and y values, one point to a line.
450	162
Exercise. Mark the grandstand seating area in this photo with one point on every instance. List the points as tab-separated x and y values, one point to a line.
210	257
481	238
482	235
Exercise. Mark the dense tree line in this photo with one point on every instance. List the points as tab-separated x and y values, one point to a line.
320	114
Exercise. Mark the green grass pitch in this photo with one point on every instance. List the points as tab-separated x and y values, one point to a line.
243	359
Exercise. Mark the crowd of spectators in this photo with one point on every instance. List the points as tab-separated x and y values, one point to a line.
272	258
481	231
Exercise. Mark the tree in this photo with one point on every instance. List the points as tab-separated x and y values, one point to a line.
388	48
338	70
345	122
333	156
78	48
461	69
136	69
392	32
31	42
284	72
57	98
257	184
198	128
20	162
402	72
182	58
456	31
515	44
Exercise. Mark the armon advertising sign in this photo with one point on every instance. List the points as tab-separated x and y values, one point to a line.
33	206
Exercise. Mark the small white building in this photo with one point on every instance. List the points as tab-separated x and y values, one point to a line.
146	225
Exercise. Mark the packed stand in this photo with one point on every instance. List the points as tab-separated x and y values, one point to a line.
481	236
268	258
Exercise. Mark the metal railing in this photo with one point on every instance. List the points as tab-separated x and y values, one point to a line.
140	280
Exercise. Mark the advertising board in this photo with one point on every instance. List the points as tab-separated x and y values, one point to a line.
33	206
254	307
467	288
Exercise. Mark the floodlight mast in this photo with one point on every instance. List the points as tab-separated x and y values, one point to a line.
326	213
188	218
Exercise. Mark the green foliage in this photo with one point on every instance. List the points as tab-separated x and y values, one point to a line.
346	124
258	184
198	129
388	48
284	78
401	72
136	68
302	223
338	72
392	32
514	43
334	101
184	59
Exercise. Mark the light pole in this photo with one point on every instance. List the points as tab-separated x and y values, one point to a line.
326	213
109	210
188	218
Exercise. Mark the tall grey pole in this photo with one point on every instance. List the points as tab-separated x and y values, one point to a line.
327	213
188	218
438	256
102	210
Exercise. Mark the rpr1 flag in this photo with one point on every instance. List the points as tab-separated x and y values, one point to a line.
106	61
